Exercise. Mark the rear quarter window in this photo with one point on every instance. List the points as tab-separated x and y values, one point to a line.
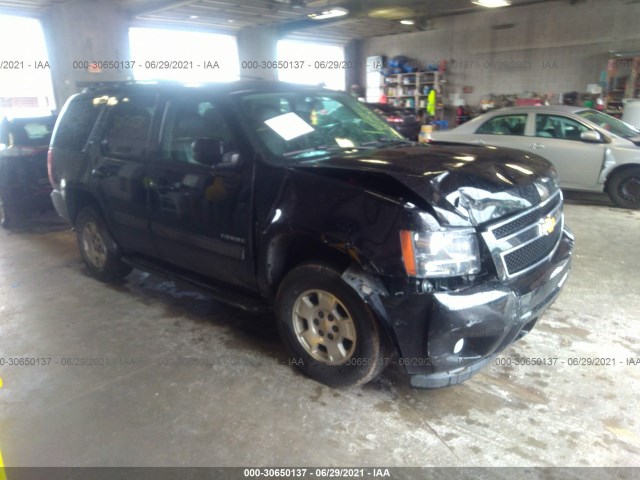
75	124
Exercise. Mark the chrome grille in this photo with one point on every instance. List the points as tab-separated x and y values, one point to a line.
520	243
526	219
531	253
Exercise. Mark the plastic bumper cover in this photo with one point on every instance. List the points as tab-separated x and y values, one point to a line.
466	329
57	197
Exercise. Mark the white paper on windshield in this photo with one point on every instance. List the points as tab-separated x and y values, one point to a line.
344	142
289	125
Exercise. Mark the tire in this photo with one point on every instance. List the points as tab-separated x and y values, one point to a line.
99	250
624	188
332	335
7	214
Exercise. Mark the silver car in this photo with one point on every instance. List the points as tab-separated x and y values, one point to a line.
591	150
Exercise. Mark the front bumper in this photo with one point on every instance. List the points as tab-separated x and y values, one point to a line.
465	329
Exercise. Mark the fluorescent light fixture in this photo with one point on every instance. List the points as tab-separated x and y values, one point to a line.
407	22
332	13
492	3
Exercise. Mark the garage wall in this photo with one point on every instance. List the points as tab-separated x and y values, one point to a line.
552	47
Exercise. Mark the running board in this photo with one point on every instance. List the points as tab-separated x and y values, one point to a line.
246	302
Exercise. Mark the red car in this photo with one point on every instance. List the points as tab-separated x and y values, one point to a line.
24	184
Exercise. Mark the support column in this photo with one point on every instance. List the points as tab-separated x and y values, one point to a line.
85	30
257	45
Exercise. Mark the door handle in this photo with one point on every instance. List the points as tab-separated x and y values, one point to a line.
99	173
163	186
536	146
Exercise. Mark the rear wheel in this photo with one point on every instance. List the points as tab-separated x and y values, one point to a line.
99	251
624	188
331	334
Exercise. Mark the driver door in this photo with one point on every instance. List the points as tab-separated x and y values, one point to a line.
200	218
557	138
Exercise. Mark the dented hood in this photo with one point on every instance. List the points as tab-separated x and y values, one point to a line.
464	184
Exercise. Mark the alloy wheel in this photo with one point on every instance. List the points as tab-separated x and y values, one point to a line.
324	327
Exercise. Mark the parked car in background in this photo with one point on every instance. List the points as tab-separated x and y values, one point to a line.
24	185
403	120
300	201
591	150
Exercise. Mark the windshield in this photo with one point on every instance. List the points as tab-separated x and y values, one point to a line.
609	123
299	125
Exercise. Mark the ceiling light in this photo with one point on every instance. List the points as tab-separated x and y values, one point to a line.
331	13
492	3
407	22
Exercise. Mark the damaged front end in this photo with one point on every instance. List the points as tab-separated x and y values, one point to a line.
456	322
472	250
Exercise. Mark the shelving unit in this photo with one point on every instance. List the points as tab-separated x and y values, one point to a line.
410	90
623	81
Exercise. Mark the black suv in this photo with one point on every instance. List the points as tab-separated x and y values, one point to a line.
302	200
24	186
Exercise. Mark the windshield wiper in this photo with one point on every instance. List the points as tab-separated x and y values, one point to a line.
326	148
389	141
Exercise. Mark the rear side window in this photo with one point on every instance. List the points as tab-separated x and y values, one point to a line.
504	125
76	122
128	125
36	131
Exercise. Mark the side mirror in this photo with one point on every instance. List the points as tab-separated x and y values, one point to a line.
591	136
207	151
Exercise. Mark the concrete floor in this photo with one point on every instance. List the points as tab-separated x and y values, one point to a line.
248	407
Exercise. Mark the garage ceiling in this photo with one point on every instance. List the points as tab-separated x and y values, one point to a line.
366	18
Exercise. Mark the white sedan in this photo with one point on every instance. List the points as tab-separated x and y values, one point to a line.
591	150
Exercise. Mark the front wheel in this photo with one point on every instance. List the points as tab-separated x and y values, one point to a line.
331	334
624	188
99	250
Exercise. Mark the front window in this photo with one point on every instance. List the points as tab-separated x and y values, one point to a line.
609	123
558	126
189	120
304	125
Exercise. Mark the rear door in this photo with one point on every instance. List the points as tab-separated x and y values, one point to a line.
200	219
506	130
118	166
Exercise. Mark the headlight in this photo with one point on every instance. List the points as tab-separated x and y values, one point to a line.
445	253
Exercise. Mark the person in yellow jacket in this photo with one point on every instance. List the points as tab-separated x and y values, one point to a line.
431	103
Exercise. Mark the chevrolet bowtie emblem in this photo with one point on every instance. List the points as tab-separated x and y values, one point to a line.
547	225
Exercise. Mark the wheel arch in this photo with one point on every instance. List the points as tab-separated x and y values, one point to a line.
78	198
289	250
618	169
286	251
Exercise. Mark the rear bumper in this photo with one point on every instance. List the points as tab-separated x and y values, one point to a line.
446	337
57	198
23	199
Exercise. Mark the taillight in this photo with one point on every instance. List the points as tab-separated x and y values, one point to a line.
394	119
52	179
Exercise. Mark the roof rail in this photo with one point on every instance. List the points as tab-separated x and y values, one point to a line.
122	83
